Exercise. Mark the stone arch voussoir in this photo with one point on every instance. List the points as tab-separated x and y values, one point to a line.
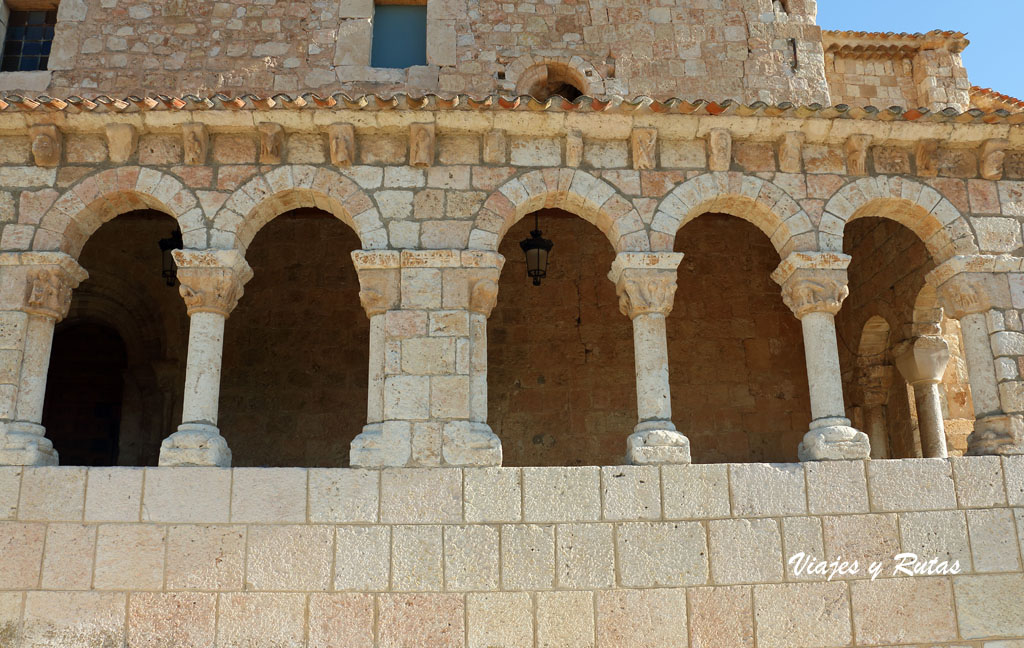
916	206
95	199
572	190
289	187
517	74
755	200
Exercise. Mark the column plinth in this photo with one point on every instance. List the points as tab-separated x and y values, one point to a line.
646	285
814	286
212	282
37	295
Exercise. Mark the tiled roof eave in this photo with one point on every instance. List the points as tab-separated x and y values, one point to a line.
341	102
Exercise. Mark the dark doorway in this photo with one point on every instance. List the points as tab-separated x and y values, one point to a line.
85	387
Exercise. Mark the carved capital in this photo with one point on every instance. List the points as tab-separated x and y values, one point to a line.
341	141
993	154
970	293
122	139
644	142
645	292
48	290
379	280
47	144
922	360
719	149
196	142
421	145
815	291
271	143
857	154
212	281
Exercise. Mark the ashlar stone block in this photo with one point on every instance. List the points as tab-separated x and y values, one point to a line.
261	619
654	554
181	618
421	495
989	606
470	558
936	534
129	556
565	619
205	557
631	492
994	546
54	493
186	495
493	494
413	620
500	619
338	495
362	558
911	485
10	489
289	557
569	494
767	489
642	618
113	495
835	487
696	491
586	556
68	563
745	551
903	610
21	554
864	538
417	558
802	615
268	495
77	619
979	481
527	556
341	620
722	617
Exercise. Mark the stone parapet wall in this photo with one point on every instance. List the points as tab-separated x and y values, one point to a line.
607	556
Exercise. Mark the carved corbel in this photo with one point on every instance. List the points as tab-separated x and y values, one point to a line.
341	141
271	143
196	140
791	159
993	153
644	142
122	140
495	147
47	145
925	159
483	295
857	154
379	275
421	145
719	149
573	148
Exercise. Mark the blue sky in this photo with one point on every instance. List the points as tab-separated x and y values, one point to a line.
994	30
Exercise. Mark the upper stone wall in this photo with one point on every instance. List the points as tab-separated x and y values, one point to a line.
746	50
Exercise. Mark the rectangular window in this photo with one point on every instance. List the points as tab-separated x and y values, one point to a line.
28	40
399	35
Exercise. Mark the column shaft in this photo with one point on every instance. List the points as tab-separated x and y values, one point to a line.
824	379
653	398
981	373
930	421
878	433
35	365
202	373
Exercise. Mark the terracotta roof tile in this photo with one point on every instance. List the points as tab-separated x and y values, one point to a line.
858	44
989	99
434	103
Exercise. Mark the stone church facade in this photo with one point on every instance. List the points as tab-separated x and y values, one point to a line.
273	373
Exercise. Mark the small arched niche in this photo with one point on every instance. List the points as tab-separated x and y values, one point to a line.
546	80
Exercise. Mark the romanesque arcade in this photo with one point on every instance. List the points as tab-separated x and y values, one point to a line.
334	287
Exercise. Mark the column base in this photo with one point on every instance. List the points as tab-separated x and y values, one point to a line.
470	444
833	439
195	444
382	445
657	442
997	435
25	444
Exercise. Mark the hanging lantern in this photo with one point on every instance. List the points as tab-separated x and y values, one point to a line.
167	245
536	249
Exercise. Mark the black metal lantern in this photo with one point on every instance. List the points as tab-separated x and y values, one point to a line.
536	249
173	242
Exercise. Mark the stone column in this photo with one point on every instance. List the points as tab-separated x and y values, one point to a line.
36	294
922	361
814	286
976	290
212	282
875	382
646	285
427	400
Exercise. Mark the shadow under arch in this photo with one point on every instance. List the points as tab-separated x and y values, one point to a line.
570	190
